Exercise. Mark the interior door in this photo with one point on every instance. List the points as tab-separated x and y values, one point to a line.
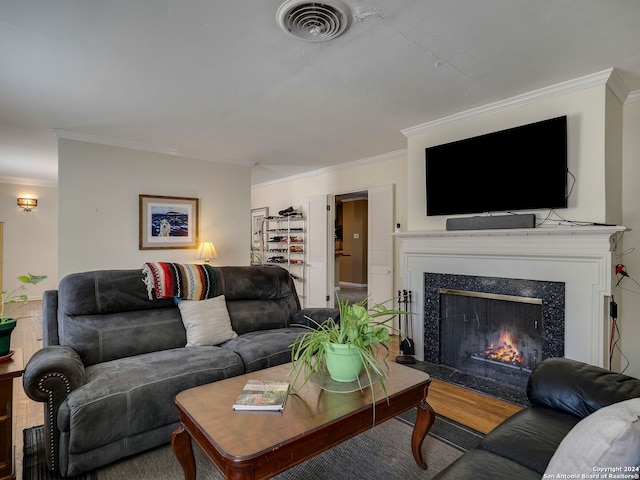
380	270
318	293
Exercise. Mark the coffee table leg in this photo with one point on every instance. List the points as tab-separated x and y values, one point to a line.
424	421
181	443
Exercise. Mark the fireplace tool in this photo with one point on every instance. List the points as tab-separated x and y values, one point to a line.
406	329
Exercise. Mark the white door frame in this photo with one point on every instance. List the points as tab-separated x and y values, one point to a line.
378	271
320	269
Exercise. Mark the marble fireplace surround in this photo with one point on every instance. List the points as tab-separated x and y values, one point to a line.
581	257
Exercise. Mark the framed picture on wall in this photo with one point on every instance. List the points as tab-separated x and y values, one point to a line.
257	217
167	222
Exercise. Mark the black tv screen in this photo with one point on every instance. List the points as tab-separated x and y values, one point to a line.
522	168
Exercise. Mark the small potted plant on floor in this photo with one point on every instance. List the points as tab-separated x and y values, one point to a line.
352	347
8	323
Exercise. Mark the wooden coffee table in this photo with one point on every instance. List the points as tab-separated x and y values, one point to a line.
258	445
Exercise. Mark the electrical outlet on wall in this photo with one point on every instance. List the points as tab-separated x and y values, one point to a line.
356	235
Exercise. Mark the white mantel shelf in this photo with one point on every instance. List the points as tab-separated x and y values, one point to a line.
561	241
519	232
580	256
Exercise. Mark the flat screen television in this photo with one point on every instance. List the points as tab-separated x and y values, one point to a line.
522	168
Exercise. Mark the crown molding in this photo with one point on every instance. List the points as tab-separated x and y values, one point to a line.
633	97
588	81
116	142
356	163
617	86
29	181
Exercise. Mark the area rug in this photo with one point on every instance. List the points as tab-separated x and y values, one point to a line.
383	452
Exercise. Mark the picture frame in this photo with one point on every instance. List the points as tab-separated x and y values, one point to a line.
167	222
257	218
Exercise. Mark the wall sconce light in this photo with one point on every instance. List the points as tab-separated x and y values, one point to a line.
207	251
27	203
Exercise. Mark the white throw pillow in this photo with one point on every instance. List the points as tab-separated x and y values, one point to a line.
207	321
606	442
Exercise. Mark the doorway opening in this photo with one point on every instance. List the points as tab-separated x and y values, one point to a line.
351	245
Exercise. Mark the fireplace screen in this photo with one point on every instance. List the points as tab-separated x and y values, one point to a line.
491	335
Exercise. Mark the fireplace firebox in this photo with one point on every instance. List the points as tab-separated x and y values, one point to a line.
489	333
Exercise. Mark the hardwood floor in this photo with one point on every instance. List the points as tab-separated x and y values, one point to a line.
467	407
476	410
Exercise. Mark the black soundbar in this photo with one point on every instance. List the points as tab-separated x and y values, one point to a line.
525	220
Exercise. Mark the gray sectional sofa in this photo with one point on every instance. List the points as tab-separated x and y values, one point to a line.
113	360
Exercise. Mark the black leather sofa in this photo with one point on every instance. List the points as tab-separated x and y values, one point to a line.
561	392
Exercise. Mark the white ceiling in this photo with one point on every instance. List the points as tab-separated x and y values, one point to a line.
218	79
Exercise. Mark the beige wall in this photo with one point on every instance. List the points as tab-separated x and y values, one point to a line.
613	159
604	156
30	239
99	185
98	212
353	177
627	295
585	110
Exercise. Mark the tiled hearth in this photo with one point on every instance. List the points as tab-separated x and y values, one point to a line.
580	258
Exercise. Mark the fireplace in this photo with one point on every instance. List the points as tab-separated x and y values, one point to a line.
494	330
578	259
490	335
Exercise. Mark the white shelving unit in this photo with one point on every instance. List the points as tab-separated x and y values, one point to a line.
284	245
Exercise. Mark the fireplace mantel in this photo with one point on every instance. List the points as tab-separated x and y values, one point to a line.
581	257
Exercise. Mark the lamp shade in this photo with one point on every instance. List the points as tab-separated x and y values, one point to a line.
27	203
207	251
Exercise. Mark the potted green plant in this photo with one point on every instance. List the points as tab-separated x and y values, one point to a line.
361	337
8	323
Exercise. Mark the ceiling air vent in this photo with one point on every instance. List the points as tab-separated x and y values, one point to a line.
314	21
